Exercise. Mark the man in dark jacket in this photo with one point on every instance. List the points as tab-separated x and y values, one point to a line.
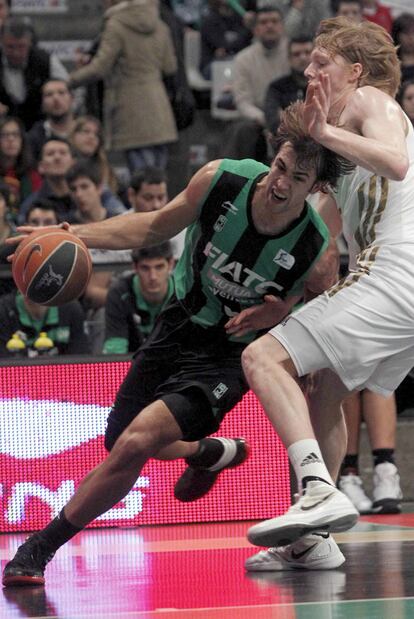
24	68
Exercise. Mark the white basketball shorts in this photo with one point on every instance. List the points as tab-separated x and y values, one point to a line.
362	328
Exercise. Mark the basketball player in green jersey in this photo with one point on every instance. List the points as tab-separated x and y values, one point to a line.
251	236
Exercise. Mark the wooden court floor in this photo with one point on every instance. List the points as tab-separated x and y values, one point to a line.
196	572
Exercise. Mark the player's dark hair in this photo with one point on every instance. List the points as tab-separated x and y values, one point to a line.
329	166
151	176
163	250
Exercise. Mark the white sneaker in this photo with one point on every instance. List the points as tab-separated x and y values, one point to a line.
322	507
387	491
351	485
316	551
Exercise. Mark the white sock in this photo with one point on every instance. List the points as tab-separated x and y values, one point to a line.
307	461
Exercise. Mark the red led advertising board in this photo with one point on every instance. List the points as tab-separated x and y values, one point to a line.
52	423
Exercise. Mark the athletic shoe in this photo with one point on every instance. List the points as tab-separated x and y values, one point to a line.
387	491
351	485
194	483
29	563
321	507
316	551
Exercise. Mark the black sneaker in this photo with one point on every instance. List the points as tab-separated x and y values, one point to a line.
195	482
29	563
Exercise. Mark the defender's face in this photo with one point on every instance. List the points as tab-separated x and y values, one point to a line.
336	67
287	184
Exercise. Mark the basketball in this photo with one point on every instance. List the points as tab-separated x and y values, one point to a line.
51	267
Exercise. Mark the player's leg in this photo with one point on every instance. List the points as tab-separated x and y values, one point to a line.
271	374
318	550
380	416
100	490
349	481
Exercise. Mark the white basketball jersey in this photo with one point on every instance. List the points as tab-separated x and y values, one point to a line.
376	211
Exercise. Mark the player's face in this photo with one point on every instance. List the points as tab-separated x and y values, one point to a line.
341	73
56	159
153	275
86	139
287	184
42	217
408	102
85	193
56	99
10	140
150	197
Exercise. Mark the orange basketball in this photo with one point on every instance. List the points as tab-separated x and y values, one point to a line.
51	267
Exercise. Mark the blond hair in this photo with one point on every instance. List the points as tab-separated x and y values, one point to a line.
365	43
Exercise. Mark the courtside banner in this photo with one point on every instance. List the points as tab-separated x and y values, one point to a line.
52	422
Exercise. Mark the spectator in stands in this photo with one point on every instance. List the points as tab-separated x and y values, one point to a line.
148	191
135	50
42	213
24	68
302	17
223	34
135	299
283	91
58	108
403	35
85	186
17	169
374	11
351	9
406	99
55	160
39	329
7	227
255	67
380	416
86	139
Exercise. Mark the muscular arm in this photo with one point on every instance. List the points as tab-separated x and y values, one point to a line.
325	272
375	133
145	229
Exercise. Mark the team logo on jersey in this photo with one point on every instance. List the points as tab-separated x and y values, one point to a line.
220	390
284	260
220	223
229	207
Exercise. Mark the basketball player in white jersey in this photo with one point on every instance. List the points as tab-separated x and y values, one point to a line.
359	333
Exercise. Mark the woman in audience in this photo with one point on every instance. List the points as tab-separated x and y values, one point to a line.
17	169
86	139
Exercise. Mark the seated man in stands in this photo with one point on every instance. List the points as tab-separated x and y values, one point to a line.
85	186
55	161
136	298
42	213
148	191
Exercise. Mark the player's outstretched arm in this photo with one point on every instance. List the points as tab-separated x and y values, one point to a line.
146	229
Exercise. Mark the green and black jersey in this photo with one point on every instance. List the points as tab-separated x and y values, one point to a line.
227	265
